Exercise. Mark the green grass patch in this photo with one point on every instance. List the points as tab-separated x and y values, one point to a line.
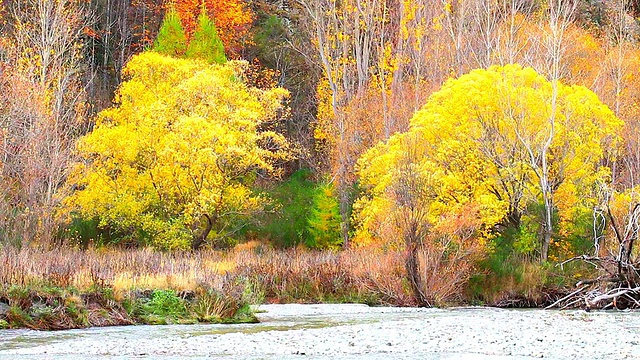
164	307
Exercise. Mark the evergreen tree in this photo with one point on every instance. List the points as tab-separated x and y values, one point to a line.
324	219
206	43
171	40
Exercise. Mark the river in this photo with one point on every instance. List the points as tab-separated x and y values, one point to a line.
352	332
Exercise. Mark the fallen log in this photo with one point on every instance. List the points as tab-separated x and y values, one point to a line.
611	294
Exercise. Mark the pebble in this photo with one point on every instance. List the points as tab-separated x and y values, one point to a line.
354	331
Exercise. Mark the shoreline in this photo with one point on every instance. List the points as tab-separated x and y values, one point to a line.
71	288
353	331
100	310
52	309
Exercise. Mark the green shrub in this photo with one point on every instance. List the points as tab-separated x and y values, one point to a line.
163	307
285	221
302	212
324	219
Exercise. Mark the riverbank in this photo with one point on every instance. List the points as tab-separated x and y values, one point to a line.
53	308
353	332
69	288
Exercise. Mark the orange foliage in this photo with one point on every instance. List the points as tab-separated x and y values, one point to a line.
259	76
232	18
144	17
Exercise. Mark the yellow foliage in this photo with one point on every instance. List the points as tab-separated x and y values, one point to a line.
183	142
475	144
324	131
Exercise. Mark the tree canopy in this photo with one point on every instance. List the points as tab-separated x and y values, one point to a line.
173	161
476	143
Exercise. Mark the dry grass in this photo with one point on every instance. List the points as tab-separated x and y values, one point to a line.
294	275
117	269
218	284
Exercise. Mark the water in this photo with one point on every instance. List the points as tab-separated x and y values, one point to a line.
351	332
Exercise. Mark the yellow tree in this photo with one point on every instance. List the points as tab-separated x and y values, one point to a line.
427	191
173	161
481	140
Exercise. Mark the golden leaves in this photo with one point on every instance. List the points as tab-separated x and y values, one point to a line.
184	141
473	144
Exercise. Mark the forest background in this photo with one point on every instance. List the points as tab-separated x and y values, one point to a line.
366	130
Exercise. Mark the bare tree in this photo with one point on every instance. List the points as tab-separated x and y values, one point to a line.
412	193
348	38
553	42
46	67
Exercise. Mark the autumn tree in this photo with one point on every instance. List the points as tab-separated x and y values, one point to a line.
496	118
381	59
44	64
415	187
171	164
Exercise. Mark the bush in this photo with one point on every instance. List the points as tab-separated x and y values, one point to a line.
163	307
284	223
302	212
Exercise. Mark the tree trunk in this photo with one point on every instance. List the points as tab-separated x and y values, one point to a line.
412	266
200	239
546	241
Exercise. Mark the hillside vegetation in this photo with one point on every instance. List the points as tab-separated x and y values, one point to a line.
483	151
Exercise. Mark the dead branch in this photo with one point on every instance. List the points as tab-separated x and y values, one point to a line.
611	294
565	298
588	259
599	280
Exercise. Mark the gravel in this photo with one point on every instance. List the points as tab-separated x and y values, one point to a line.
352	332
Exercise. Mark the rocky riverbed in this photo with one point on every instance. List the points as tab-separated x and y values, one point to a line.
352	332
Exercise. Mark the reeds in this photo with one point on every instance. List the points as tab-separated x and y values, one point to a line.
294	275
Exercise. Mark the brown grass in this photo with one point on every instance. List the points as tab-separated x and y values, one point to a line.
309	276
117	269
295	275
103	281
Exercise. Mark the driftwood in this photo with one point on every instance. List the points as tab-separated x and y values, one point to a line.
618	286
566	298
613	294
